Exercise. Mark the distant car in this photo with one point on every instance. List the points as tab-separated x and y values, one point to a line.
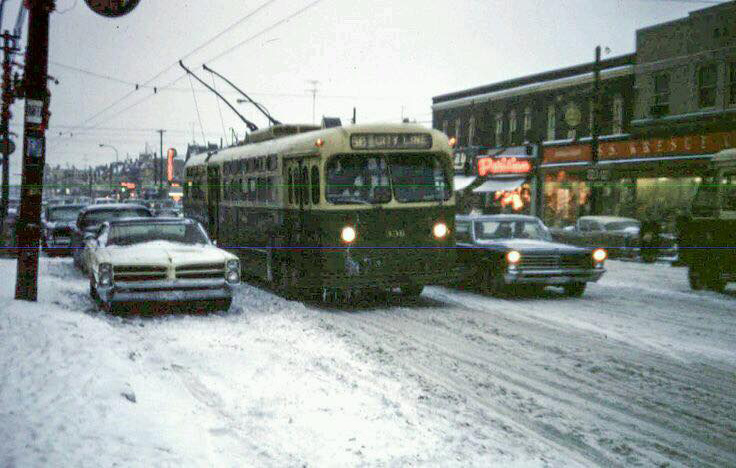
498	251
92	216
58	226
143	260
103	201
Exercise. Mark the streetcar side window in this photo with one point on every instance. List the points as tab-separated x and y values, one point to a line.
315	185
290	187
305	183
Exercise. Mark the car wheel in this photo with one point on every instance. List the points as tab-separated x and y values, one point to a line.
574	289
492	282
695	278
412	290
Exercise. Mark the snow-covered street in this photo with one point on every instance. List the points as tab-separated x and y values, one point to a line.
639	371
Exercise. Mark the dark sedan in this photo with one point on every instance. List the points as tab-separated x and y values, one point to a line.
58	225
498	251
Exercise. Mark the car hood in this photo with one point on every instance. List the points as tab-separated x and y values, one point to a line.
163	253
531	245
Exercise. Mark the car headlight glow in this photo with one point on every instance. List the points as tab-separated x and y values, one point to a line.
105	274
513	257
348	234
599	255
440	230
232	274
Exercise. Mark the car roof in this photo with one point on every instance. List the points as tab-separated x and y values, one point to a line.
496	217
113	206
71	206
608	219
141	220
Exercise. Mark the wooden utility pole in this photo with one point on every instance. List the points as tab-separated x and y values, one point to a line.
34	147
161	161
594	132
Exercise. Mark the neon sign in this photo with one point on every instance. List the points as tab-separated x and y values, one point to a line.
503	166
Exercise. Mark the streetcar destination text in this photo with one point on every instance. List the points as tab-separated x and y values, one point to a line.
371	141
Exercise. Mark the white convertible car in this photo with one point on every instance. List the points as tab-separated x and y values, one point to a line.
143	260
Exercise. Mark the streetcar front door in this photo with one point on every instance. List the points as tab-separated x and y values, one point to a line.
213	200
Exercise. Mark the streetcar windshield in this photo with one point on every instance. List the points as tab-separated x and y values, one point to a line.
360	179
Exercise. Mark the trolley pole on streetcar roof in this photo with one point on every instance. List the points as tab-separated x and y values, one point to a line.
34	148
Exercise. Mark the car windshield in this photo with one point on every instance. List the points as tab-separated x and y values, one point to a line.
621	225
362	179
511	229
99	216
64	213
183	233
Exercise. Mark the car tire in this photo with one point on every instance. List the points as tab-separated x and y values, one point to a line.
695	278
575	289
412	290
492	283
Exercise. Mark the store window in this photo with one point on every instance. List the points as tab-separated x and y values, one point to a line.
457	129
732	83
565	198
551	122
707	78
527	121
499	130
661	97
471	131
618	115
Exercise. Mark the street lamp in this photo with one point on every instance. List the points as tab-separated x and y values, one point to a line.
102	145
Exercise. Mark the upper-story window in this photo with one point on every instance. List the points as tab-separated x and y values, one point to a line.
445	126
457	129
707	80
732	83
551	122
618	115
499	130
471	131
512	126
527	121
661	96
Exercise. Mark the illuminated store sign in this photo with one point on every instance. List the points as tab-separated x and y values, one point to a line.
503	166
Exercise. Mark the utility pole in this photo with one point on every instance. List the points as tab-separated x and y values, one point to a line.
313	90
594	131
8	97
161	167
353	121
34	147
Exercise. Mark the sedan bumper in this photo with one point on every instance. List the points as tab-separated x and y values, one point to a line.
553	276
167	291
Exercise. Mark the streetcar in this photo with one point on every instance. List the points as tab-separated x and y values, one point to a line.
322	211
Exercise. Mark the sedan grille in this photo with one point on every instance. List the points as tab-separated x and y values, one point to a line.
139	273
554	261
204	270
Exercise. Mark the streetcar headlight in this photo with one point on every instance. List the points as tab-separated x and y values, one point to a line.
232	273
599	255
105	274
513	257
440	230
348	234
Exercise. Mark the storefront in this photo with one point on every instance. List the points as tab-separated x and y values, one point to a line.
493	181
652	178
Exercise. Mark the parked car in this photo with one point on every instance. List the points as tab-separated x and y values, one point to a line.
143	260
92	216
58	225
497	251
104	201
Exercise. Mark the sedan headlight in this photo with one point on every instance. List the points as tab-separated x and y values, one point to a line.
599	255
232	272
105	274
513	257
348	234
440	230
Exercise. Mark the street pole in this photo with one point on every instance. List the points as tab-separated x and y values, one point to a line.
102	145
7	101
34	148
161	167
594	131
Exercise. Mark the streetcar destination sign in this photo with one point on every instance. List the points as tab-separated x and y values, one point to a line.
372	141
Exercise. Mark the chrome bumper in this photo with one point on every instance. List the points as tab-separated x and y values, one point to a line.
182	290
553	276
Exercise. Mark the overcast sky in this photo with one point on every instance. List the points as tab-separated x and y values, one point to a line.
387	58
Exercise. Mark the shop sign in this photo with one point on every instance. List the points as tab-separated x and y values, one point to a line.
503	166
644	148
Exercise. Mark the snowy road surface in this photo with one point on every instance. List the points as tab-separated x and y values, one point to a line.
639	371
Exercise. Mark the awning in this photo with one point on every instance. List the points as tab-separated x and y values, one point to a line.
496	185
461	182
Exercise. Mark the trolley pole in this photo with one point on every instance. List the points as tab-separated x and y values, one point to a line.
34	147
161	161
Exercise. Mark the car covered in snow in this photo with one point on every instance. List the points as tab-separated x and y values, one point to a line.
498	251
144	260
90	219
58	226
